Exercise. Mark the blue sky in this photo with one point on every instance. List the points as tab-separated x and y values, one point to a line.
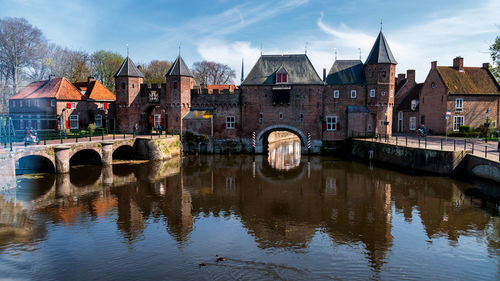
226	31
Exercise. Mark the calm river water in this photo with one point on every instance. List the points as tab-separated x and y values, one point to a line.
280	216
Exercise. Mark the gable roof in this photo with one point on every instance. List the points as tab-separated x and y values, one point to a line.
299	69
380	53
128	69
58	88
346	72
413	94
473	80
179	68
95	90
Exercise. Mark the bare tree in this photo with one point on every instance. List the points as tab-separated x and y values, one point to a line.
212	73
154	72
21	45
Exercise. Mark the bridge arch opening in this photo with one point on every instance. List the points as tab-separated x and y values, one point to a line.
283	146
32	164
125	152
85	157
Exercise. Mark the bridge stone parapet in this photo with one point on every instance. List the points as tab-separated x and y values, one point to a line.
146	148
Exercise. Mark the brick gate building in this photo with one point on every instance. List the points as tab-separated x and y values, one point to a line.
281	93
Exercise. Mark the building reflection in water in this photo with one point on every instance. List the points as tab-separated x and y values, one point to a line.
347	201
284	155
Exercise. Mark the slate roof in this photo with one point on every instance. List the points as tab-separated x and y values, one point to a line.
95	90
299	69
473	80
380	53
128	69
179	68
413	94
58	88
346	72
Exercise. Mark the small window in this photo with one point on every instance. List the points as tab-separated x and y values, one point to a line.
382	93
422	119
336	94
261	117
36	103
157	121
98	120
391	93
281	115
353	94
21	122
433	85
331	123
52	103
413	123
372	93
301	118
384	74
281	77
457	122
123	86
230	122
133	85
20	103
73	122
175	85
73	105
13	103
29	103
459	104
29	120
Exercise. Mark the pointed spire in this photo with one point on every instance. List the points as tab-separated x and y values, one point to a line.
128	69
179	68
242	71
380	53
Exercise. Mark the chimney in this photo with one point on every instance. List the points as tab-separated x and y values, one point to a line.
486	65
90	79
458	63
434	64
324	74
139	67
410	75
401	77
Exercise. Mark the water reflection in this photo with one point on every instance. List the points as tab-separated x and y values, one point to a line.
319	212
284	155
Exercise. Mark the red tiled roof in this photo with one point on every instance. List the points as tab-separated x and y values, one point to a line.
95	90
211	88
473	80
59	88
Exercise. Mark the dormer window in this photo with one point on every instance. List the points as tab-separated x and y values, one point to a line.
281	75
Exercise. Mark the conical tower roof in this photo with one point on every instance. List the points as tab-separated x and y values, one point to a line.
179	68
128	69
380	53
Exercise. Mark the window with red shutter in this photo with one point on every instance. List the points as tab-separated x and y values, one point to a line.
284	78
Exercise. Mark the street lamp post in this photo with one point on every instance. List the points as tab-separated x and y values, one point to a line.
487	124
386	122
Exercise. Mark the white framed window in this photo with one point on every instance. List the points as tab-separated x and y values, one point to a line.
38	122
336	94
157	121
281	115
36	103
20	103
13	103
413	123
21	122
230	122
29	120
281	78
52	103
459	104
433	85
29	103
73	105
73	121
457	122
98	120
391	93
372	93
353	94
331	123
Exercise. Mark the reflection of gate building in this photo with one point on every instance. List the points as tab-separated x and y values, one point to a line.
281	92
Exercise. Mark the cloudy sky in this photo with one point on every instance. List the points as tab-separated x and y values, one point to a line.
226	31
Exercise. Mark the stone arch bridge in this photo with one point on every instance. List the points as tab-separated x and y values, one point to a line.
57	158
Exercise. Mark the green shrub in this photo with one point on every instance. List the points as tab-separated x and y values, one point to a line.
91	128
464	129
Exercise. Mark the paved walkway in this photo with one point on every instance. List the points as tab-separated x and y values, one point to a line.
477	147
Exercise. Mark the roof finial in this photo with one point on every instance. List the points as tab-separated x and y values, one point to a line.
335	50
381	22
359	49
180	48
261	49
127	50
306	48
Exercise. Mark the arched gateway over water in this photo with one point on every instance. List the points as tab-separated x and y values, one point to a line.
262	139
